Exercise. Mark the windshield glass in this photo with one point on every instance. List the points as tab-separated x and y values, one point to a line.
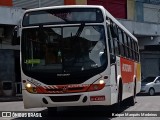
149	79
63	49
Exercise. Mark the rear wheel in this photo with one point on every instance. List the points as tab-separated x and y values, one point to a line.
151	92
133	98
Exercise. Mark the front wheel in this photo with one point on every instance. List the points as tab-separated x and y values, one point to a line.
151	91
119	100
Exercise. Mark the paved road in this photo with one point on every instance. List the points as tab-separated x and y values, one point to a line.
144	103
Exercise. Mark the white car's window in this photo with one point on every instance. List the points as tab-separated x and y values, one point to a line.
158	80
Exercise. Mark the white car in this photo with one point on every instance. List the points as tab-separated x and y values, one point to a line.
150	85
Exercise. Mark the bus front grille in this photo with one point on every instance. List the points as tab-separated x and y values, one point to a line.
70	98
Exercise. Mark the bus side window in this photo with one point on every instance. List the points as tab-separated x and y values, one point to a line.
114	33
137	55
125	44
130	47
110	41
122	51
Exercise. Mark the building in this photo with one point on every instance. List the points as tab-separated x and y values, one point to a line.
9	54
141	17
144	22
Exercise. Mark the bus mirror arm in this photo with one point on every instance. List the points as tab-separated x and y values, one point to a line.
112	59
15	37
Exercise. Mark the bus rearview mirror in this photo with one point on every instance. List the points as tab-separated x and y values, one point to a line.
15	37
112	59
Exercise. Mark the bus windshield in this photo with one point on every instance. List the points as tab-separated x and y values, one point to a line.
63	49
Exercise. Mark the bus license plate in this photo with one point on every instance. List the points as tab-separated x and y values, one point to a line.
97	98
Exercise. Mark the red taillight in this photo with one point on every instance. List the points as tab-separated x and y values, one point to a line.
95	87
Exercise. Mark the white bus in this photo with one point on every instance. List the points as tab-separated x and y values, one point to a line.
77	55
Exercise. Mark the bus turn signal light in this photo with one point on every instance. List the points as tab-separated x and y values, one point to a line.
30	89
95	87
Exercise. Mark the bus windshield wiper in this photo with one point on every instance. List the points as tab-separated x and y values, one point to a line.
79	31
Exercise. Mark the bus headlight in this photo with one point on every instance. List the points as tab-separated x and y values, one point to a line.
30	88
101	82
28	85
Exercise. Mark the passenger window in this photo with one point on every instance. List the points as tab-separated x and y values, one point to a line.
125	45
121	42
114	31
114	34
130	48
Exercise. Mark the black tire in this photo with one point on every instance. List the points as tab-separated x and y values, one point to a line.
52	111
151	92
119	101
133	98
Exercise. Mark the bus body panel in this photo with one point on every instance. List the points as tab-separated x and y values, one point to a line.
113	82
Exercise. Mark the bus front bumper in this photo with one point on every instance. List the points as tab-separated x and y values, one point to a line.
101	97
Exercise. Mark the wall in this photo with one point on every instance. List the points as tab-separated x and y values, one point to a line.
150	12
69	2
116	7
81	2
5	2
130	9
37	3
139	11
7	65
150	63
11	16
7	71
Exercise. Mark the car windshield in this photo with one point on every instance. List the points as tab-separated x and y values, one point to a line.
63	49
149	79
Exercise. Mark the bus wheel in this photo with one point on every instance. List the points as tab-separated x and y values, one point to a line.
52	111
132	99
119	101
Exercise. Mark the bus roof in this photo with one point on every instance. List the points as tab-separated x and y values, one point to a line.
87	6
65	6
